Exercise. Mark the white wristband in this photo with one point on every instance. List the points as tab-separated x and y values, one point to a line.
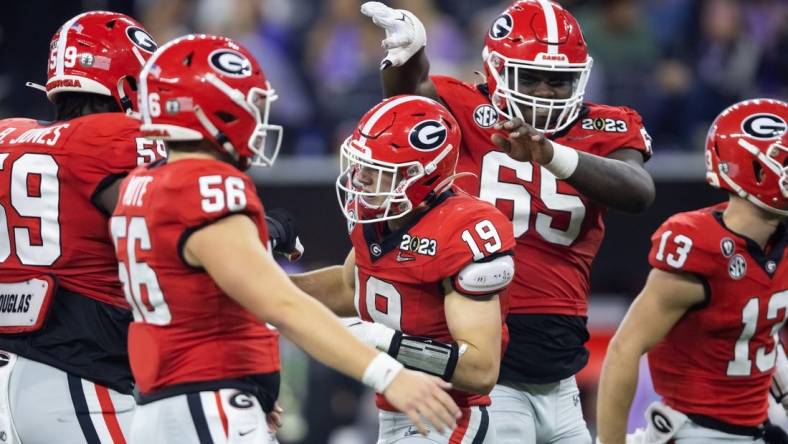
372	334
380	372
564	162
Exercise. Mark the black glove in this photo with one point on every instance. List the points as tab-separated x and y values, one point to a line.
773	434
283	233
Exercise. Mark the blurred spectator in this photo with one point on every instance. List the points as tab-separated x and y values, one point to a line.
625	54
341	57
447	47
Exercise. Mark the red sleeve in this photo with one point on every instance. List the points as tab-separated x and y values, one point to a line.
458	96
634	135
107	147
208	197
205	194
482	234
678	246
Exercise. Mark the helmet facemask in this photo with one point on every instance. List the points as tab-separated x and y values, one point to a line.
509	100
257	103
767	166
373	191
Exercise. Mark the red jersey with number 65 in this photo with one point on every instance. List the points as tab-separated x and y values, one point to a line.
50	176
399	276
718	359
558	230
185	329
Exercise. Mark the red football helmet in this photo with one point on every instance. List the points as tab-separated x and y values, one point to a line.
536	35
99	52
403	152
208	87
747	153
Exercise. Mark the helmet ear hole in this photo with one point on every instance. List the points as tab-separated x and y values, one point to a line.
758	169
225	116
110	24
132	83
431	180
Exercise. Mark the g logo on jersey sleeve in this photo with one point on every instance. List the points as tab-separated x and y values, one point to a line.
230	63
764	126
427	135
141	39
501	27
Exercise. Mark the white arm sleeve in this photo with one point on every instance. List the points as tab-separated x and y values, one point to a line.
481	278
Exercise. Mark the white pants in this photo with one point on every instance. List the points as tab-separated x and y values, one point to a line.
41	404
472	428
666	425
539	413
226	416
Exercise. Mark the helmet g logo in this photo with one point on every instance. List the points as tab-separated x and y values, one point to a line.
427	135
501	27
141	39
230	63
764	126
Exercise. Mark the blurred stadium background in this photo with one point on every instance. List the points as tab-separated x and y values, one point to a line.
677	62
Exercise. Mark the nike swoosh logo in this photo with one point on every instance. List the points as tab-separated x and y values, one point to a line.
580	137
405	258
246	432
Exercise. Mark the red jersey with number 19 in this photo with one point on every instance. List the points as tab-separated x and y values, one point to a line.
185	329
558	230
399	276
718	359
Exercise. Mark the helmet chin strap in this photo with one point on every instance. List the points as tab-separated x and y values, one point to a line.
36	86
215	133
125	102
752	199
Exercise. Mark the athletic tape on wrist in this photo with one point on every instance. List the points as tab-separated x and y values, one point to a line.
380	372
564	162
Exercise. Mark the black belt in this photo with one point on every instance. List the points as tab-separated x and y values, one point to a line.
716	424
264	387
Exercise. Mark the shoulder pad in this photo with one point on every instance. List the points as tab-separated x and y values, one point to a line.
484	278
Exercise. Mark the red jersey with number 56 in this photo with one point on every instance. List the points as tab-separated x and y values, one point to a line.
399	276
718	359
185	329
558	230
50	175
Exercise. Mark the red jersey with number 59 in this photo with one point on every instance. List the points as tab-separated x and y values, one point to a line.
185	329
718	359
399	276
50	175
558	230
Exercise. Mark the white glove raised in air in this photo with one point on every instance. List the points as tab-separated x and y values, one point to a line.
405	34
370	333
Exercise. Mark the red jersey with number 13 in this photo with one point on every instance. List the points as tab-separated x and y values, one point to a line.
719	358
558	230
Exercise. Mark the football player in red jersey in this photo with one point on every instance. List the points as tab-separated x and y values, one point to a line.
191	240
427	263
553	164
63	319
715	298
